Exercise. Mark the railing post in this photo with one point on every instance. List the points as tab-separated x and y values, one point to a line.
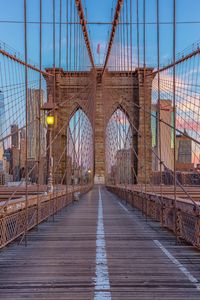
178	224
38	211
2	232
197	232
162	209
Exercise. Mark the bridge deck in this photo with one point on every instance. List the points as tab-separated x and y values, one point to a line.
68	258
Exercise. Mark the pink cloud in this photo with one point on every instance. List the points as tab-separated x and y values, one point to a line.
187	124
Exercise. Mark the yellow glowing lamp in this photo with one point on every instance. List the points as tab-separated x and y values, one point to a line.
50	120
89	171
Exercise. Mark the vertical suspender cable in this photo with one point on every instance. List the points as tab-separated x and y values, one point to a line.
121	42
75	115
128	70
159	141
127	37
54	40
123	38
131	35
66	164
67	130
138	38
54	92
39	104
26	99
174	111
60	35
70	42
138	66
131	70
73	133
144	95
67	32
74	38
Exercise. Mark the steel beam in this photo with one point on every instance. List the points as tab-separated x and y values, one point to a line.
177	62
114	27
18	60
84	28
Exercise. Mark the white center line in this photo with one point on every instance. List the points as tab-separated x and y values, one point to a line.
179	265
123	207
130	215
172	258
102	282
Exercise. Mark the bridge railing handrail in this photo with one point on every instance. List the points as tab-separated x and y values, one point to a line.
183	219
14	221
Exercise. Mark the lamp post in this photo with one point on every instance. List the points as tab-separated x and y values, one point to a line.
50	121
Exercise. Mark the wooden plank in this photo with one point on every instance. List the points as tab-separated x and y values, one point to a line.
59	262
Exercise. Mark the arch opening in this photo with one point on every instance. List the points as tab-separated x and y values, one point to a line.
80	150
119	149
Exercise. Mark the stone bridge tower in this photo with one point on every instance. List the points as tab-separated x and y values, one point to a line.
124	90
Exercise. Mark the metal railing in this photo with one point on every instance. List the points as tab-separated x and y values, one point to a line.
183	220
15	220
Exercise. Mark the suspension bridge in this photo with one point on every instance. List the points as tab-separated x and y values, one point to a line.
99	152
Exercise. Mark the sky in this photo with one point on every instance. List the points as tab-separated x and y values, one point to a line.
99	11
12	29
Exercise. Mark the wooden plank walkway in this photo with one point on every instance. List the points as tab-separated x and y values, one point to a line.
92	252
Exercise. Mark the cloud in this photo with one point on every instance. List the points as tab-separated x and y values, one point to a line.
187	103
187	97
187	124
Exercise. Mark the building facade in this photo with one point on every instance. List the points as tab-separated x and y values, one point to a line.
166	134
35	102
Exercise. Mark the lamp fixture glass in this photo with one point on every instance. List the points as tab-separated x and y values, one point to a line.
50	120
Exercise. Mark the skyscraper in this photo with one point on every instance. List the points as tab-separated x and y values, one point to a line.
124	165
184	152
15	136
166	115
2	120
2	112
23	148
33	126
